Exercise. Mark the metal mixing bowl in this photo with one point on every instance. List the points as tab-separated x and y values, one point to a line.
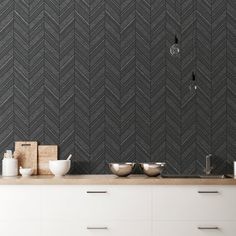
153	169
121	169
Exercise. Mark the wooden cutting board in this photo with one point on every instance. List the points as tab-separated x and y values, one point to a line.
26	153
46	153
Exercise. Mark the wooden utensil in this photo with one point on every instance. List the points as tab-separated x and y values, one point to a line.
46	153
26	153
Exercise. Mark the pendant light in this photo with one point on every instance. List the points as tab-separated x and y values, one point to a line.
175	48
193	84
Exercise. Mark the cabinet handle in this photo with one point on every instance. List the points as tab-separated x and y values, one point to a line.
96	191
103	228
208	191
208	227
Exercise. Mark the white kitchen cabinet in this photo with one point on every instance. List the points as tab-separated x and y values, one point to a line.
61	228
96	228
194	203
115	210
196	228
20	228
96	202
20	202
61	203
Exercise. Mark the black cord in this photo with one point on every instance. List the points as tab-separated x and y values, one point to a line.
176	39
193	76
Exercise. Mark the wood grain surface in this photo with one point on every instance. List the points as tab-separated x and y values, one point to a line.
46	153
109	180
26	153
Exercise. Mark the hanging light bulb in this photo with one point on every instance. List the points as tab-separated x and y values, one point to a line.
174	49
193	85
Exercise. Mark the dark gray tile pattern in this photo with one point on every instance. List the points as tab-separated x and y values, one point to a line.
96	77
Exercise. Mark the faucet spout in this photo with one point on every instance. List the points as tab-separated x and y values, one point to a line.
208	167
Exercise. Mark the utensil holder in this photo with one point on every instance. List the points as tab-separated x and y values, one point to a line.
9	167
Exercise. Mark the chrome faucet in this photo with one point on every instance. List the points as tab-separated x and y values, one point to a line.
208	168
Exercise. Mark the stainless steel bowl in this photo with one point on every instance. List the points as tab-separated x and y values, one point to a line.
153	169
121	169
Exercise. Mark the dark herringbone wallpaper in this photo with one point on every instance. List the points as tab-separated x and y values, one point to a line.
97	78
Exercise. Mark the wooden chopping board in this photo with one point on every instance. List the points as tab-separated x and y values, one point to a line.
26	153
46	153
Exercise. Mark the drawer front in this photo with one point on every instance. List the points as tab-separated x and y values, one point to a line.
96	202
61	203
20	202
98	228
194	203
20	228
195	228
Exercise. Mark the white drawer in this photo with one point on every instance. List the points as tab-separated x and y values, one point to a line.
98	228
20	228
195	228
61	202
20	202
194	203
96	202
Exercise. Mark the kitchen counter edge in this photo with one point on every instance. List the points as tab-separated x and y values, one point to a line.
110	180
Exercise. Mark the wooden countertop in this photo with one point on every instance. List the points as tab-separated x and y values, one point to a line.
110	180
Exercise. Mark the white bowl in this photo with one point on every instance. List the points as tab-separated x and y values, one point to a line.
59	167
26	172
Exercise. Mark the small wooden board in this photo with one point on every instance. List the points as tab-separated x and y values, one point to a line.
26	153
46	153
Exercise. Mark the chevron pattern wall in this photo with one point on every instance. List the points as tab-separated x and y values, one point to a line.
97	78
